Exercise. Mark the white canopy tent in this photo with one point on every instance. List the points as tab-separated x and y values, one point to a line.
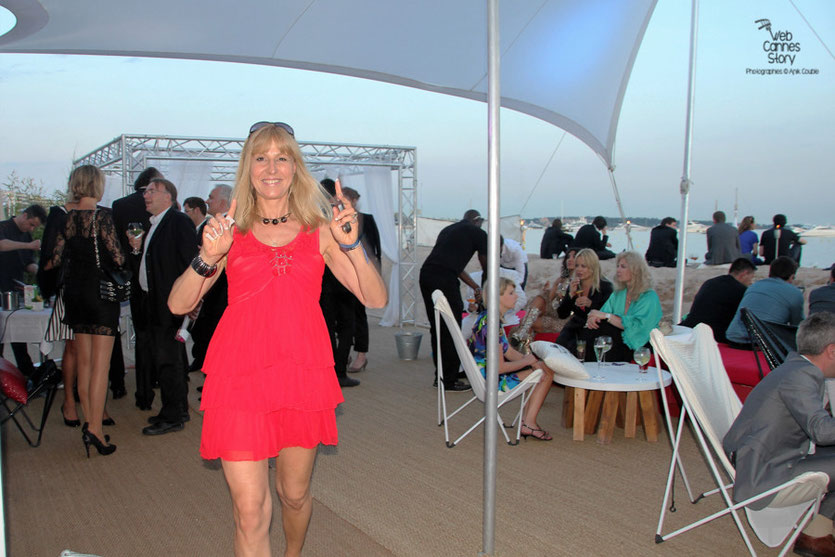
563	61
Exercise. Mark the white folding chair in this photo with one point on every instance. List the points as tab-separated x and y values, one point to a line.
711	405
443	311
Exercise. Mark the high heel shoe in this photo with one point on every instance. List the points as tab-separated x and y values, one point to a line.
358	369
87	425
69	423
103	449
108	421
543	435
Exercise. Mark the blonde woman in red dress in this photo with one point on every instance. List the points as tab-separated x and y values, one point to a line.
270	388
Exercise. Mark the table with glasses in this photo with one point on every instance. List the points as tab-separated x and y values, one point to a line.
614	394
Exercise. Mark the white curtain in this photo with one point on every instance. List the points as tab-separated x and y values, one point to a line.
192	178
374	184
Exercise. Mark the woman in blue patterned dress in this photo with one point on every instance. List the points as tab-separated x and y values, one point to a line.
513	365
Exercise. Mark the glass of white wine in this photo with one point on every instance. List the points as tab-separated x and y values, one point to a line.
601	346
135	229
642	356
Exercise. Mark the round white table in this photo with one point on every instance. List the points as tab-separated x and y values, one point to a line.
625	395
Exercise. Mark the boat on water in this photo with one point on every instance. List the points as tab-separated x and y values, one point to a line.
819	231
696	227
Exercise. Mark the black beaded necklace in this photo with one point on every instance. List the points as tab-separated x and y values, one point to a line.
277	221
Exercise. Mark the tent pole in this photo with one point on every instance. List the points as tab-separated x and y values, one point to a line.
684	187
493	230
620	208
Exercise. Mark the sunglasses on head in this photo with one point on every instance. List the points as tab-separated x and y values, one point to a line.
258	125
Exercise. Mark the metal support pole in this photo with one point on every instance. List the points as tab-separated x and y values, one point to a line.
685	177
493	230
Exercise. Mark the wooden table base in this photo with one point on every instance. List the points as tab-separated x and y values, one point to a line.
587	411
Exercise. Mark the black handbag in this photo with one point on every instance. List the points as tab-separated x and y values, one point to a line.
114	284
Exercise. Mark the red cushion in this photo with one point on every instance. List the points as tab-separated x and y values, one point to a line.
550	337
12	382
741	366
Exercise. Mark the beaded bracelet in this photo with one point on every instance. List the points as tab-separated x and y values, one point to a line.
202	268
349	247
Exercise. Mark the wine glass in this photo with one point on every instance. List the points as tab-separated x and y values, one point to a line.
135	229
562	289
581	349
601	346
642	356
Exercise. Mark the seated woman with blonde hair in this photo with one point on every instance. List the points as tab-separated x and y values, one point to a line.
587	291
630	313
513	366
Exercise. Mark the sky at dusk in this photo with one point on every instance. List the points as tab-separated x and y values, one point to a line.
769	137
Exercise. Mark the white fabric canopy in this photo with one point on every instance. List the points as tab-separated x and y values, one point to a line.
564	61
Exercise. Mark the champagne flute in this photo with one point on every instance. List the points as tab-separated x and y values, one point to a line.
642	356
601	346
135	229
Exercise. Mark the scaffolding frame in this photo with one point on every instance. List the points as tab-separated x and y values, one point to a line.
128	155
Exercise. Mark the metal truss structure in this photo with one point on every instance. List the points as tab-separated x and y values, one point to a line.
127	155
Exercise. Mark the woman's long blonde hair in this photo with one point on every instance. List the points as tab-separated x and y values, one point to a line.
641	278
591	261
308	202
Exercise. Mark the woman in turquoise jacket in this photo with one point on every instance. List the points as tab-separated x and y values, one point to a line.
631	312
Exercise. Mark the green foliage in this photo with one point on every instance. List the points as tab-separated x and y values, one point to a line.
18	192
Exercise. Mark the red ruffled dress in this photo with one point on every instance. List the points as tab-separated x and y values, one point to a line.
270	381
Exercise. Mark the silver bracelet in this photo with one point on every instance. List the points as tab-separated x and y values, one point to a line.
202	268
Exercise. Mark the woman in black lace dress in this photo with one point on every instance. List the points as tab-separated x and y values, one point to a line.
94	322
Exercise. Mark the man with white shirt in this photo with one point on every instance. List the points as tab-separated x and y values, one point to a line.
514	257
167	250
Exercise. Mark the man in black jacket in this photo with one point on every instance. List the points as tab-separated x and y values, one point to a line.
126	210
593	236
554	241
663	244
167	250
718	298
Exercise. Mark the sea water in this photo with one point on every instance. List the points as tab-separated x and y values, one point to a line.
819	251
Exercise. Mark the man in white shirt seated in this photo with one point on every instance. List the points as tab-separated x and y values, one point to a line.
514	257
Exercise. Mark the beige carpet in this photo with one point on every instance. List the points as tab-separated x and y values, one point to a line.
391	487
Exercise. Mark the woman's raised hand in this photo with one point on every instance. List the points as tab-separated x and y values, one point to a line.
217	236
344	223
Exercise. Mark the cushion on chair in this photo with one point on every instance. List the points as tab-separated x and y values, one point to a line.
559	359
741	366
12	382
550	337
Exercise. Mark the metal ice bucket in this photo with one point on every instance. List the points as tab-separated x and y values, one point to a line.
10	301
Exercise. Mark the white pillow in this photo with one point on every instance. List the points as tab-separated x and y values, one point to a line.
560	359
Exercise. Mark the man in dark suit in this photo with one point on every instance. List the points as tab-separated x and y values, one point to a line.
722	241
167	250
663	244
369	235
126	210
718	298
769	442
216	299
554	241
593	236
441	270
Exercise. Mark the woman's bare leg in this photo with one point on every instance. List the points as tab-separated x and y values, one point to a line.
537	398
252	506
293	469
84	358
68	372
97	391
